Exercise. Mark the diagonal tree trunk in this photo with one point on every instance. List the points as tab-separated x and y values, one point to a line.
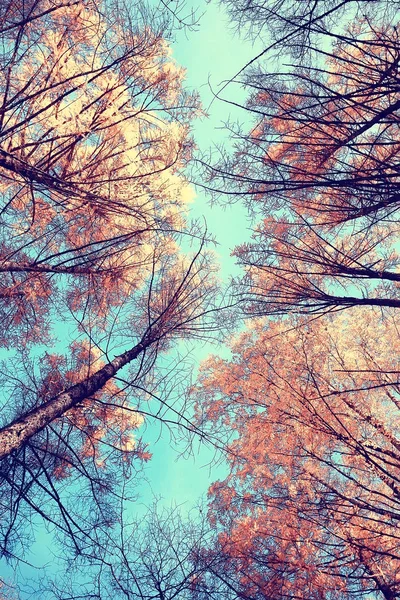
14	435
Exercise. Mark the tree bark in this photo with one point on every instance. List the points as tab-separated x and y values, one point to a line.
14	267
14	435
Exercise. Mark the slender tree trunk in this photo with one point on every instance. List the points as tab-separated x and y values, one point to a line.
20	167
14	267
353	301
17	433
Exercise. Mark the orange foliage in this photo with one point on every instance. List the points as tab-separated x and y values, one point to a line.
334	128
311	506
321	167
94	134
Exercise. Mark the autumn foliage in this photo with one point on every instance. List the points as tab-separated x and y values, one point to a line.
310	397
310	508
94	128
95	287
320	167
94	134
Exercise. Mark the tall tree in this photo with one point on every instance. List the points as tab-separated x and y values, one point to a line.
310	508
320	167
94	130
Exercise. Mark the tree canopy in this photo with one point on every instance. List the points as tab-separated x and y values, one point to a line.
95	131
103	275
309	398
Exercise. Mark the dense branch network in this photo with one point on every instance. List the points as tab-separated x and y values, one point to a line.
94	134
310	397
320	165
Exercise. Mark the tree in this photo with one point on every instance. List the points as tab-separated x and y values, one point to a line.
320	167
94	131
94	134
310	508
293	27
159	557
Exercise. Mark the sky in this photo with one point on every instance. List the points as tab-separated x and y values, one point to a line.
211	55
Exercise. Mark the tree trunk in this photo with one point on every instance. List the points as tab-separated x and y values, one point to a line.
17	433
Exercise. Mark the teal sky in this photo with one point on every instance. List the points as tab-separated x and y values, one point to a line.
212	54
